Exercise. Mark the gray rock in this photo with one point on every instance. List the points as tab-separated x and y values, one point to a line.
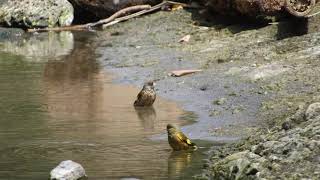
299	116
295	119
313	111
269	156
242	165
36	13
257	149
67	170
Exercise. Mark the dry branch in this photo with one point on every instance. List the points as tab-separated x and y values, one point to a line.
115	18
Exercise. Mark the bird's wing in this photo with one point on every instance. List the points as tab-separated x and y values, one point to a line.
184	138
139	96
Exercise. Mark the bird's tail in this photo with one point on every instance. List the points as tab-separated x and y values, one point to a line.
194	146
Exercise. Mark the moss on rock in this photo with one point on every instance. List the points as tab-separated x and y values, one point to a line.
36	13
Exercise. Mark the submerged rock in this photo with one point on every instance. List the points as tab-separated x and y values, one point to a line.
36	13
67	170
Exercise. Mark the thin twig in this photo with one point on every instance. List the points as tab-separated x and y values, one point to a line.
273	23
120	13
124	18
146	11
311	15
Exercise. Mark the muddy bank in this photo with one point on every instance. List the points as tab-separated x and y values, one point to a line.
245	65
255	75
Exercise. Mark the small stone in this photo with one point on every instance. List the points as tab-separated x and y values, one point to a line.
274	158
233	94
221	61
254	65
203	87
220	101
313	111
286	125
237	110
214	112
118	33
299	116
68	170
257	149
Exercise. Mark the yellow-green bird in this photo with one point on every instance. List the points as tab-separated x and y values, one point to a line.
177	140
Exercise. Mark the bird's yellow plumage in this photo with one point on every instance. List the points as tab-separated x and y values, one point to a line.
177	140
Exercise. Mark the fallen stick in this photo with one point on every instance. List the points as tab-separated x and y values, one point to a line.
115	18
100	22
146	11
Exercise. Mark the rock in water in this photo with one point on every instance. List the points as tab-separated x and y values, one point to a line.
36	13
67	170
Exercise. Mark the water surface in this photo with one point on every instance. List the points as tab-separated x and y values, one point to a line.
57	102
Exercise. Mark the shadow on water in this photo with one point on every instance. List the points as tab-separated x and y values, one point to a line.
64	106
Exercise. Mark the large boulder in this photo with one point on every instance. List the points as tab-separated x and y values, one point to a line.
36	13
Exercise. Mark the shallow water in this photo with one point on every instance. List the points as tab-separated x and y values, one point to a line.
57	102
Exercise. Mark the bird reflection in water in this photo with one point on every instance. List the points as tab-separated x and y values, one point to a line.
178	161
147	115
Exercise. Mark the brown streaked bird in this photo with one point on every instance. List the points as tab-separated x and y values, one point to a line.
177	140
147	95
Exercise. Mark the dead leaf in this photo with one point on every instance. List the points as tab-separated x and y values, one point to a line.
176	7
185	39
178	73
